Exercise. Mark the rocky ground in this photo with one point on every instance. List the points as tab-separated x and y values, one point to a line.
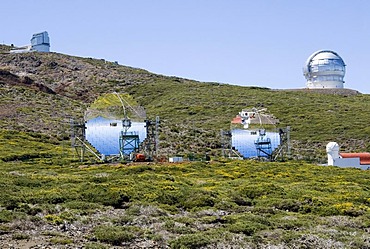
80	234
77	78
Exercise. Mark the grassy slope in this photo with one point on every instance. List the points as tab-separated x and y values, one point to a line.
243	203
236	203
24	109
110	106
198	110
192	112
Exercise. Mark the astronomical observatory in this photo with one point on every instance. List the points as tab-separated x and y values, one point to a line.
324	69
40	42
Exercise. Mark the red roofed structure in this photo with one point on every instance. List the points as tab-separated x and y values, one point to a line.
237	120
357	160
364	157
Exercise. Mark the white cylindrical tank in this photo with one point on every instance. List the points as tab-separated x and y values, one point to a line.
332	150
324	69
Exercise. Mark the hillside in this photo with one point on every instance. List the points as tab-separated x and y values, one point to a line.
225	204
192	112
49	199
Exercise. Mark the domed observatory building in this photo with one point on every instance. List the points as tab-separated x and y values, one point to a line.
324	69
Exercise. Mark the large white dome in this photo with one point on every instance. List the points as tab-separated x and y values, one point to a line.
324	69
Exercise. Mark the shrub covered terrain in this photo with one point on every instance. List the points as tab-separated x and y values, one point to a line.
218	204
50	200
41	91
197	111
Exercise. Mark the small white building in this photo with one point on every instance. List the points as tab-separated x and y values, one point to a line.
346	160
175	159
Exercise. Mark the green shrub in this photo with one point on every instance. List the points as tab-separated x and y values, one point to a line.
20	236
54	219
177	228
134	210
191	241
292	223
28	209
56	196
124	220
61	240
113	235
326	210
139	169
288	205
246	227
11	202
4	229
105	196
225	205
265	210
24	181
242	200
6	216
168	197
69	216
82	206
51	233
262	189
196	198
94	245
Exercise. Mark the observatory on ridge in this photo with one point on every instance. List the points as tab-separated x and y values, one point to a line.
40	42
324	69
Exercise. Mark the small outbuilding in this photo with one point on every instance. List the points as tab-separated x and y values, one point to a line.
346	160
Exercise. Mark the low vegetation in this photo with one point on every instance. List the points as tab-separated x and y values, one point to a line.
193	114
220	203
50	199
110	106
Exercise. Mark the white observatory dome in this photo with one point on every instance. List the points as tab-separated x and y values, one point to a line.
332	146
324	69
332	150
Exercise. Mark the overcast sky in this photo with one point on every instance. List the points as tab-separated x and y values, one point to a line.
241	42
